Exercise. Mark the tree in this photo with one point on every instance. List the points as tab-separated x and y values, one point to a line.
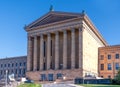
117	78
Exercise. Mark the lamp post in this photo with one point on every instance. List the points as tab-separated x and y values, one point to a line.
6	78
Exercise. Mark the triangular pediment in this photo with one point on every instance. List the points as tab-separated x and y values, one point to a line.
53	17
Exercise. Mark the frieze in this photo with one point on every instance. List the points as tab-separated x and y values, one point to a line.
55	28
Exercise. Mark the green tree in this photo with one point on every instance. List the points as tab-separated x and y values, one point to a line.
117	77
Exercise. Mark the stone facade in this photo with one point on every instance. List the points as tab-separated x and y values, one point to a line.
62	44
13	65
109	61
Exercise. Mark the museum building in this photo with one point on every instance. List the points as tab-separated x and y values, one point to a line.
62	44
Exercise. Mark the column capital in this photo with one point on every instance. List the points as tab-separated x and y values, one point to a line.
81	28
29	37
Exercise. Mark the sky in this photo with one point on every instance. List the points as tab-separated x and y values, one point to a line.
15	14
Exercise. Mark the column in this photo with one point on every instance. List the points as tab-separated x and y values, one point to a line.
29	54
80	47
64	49
48	51
73	48
35	54
57	50
41	52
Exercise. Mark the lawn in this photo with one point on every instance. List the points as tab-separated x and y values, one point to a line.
98	85
30	85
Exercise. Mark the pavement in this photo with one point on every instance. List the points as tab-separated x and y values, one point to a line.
59	85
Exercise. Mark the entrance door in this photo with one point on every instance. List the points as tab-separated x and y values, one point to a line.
50	77
43	77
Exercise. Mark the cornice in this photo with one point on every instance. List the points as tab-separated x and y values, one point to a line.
52	24
94	29
58	27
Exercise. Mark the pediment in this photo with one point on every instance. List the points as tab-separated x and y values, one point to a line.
53	17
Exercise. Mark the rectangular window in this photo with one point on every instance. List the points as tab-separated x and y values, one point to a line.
16	64
5	65
20	64
109	56
117	56
102	67
8	65
117	66
24	63
19	71
1	65
43	77
109	76
59	75
109	66
12	64
102	57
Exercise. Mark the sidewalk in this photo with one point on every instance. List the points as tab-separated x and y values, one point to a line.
76	85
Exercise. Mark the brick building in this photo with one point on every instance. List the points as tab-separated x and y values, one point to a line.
62	44
109	61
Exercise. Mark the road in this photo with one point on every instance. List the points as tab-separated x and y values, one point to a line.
58	85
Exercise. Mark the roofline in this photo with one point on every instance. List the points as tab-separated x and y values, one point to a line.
12	57
109	46
50	12
94	29
83	15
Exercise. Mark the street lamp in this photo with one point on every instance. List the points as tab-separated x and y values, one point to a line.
6	78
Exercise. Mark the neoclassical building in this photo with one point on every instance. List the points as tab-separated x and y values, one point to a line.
62	44
13	65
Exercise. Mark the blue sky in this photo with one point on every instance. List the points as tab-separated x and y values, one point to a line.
14	14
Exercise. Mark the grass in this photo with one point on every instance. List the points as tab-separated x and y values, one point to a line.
98	85
30	85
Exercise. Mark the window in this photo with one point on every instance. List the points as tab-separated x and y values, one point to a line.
117	56
102	57
24	63
16	64
15	71
109	66
117	66
5	65
12	64
109	56
59	75
1	72
12	71
19	71
1	65
102	76
109	76
102	67
8	65
43	77
24	71
20	64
